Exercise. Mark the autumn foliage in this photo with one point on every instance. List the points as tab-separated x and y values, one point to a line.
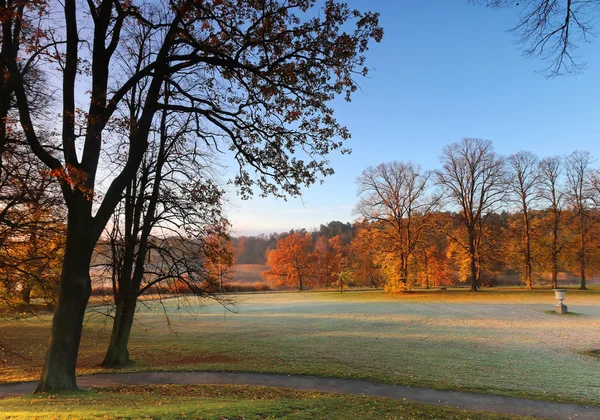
292	263
482	220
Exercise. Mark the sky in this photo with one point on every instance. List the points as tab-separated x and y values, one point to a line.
445	69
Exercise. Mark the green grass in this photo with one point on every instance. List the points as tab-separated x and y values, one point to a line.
223	402
496	341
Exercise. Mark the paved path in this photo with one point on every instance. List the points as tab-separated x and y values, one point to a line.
463	400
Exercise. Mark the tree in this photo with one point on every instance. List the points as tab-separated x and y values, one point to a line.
550	191
552	29
219	255
169	211
362	256
579	196
474	178
260	89
344	277
292	262
253	249
523	182
395	197
327	257
32	228
432	264
335	228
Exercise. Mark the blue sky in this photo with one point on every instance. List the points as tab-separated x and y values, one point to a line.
446	69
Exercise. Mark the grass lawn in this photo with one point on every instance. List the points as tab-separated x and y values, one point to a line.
499	341
223	402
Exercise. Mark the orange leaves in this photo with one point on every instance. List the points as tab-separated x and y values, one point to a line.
327	259
75	178
292	263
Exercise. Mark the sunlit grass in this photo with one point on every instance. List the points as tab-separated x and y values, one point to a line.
499	341
224	402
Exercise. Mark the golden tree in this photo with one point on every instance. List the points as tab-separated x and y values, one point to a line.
395	197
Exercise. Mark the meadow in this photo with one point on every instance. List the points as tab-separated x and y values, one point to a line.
225	402
500	341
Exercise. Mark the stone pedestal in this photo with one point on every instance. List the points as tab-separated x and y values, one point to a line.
560	308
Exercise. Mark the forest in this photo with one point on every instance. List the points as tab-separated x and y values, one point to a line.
481	219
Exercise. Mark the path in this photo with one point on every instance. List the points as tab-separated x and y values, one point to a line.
463	400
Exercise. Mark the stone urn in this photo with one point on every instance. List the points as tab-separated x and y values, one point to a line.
560	296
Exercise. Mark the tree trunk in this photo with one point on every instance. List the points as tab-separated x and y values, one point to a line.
473	262
582	254
528	267
58	372
426	259
372	280
555	251
26	294
554	272
117	354
404	270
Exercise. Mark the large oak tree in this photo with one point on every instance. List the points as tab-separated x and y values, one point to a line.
292	262
523	184
257	76
580	200
474	180
551	193
395	197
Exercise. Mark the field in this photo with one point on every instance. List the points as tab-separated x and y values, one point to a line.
248	273
500	341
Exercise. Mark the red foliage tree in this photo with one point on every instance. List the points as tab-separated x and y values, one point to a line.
327	258
292	263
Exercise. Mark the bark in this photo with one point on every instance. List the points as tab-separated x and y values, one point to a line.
129	279
404	269
528	267
555	250
372	280
473	261
26	294
426	270
58	372
117	354
582	253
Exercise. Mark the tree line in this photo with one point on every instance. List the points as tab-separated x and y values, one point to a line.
479	216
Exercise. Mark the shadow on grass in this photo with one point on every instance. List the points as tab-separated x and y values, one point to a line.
567	314
595	353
